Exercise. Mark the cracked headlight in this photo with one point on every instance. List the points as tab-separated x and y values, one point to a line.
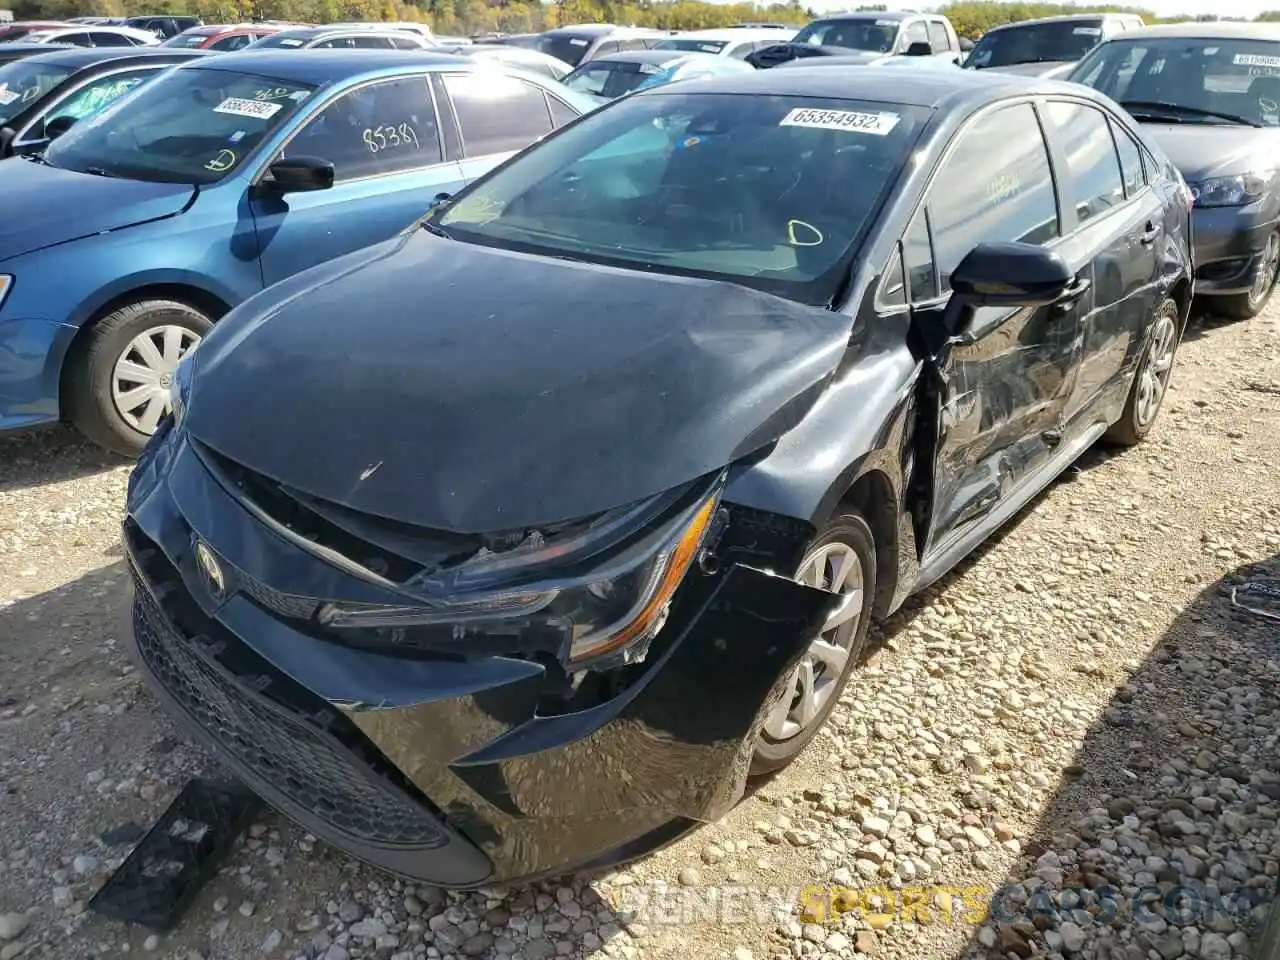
1234	191
612	597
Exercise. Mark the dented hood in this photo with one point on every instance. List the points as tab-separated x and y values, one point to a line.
44	206
463	388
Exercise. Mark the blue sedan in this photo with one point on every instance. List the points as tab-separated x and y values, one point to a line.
143	225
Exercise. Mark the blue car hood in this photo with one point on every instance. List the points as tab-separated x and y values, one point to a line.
468	389
44	205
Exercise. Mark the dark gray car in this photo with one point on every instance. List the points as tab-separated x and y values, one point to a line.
1047	46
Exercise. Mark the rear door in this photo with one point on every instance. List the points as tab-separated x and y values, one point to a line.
1002	387
1118	222
494	115
383	139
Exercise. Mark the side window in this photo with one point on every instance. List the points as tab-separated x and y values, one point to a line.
1130	160
370	43
111	40
497	113
405	43
233	42
938	37
609	46
741	51
995	186
917	260
381	128
634	44
89	40
98	94
561	112
914	32
893	288
1093	168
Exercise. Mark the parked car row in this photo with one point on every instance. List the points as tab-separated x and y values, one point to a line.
513	544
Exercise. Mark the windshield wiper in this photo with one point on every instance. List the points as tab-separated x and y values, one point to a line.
99	172
435	231
1142	106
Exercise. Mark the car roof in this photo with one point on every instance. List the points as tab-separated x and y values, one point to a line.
875	15
77	57
921	88
1060	18
1210	30
19	46
638	56
601	29
318	67
728	33
309	33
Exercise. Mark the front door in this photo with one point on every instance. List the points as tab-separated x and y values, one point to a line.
383	140
495	115
1002	388
1114	218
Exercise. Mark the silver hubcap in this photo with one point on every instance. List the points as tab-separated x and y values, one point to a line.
143	373
1155	374
1267	270
834	567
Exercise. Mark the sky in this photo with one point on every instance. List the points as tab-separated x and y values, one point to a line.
1162	8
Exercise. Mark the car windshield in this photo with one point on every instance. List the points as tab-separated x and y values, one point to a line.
562	46
609	78
189	125
877	36
187	41
25	81
1189	80
691	43
758	190
1035	43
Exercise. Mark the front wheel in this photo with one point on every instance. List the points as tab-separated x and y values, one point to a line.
1151	380
1243	306
116	385
841	559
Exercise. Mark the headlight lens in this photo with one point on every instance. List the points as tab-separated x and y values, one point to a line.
180	385
6	284
1229	191
616	608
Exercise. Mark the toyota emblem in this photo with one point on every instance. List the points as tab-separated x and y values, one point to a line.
212	570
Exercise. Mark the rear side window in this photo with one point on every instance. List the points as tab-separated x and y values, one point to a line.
938	37
609	46
995	186
405	43
561	112
233	42
497	113
1093	168
917	260
1130	160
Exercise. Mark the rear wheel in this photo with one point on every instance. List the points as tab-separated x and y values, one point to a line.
841	559
1152	379
116	386
1243	306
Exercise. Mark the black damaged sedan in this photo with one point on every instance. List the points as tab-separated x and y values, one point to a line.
517	543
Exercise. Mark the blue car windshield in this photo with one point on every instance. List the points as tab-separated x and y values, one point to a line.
773	192
190	125
25	81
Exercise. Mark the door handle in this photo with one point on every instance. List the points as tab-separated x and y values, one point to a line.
1079	287
1150	233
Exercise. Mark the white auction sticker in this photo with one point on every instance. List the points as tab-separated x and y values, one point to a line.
1255	60
1087	31
878	124
238	107
7	96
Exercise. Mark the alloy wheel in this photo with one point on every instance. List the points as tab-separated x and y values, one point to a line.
834	567
1268	270
142	375
1154	379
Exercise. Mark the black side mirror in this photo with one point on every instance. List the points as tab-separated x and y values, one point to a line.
299	174
58	126
440	200
1004	275
7	135
921	48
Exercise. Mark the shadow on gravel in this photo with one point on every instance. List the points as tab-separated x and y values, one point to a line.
1162	839
50	455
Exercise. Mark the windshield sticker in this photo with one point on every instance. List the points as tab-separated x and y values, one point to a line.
224	161
7	96
878	124
477	209
1087	31
239	107
886	23
290	42
272	93
237	136
1255	60
578	43
649	68
391	135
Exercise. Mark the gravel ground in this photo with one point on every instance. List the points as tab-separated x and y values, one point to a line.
1076	734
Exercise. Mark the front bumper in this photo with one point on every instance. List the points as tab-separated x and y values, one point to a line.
1229	243
445	769
31	353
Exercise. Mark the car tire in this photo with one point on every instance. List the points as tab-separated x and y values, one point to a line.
1245	306
96	391
1151	380
786	730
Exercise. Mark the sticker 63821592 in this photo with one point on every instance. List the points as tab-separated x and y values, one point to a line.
878	124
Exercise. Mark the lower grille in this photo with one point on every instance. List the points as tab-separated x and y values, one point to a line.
288	752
